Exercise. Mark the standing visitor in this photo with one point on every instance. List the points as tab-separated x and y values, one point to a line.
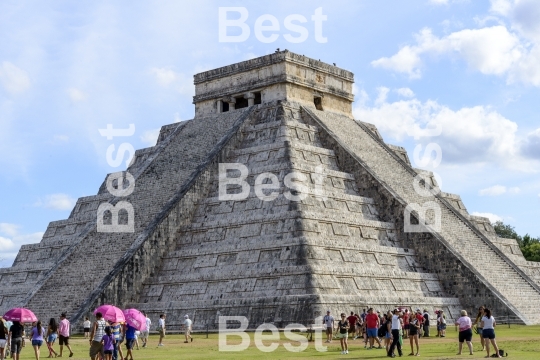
107	341
358	326
352	323
465	331
414	331
52	334
406	320
187	326
86	326
63	334
37	338
98	330
372	327
328	321
3	337
117	330
426	323
477	322
130	340
343	326
420	318
161	329
396	330
441	324
146	332
488	332
15	338
387	332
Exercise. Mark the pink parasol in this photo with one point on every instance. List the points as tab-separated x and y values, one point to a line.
20	314
111	313
135	318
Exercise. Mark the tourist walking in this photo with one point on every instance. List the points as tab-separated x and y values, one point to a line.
465	331
187	328
343	327
86	327
488	333
387	330
37	338
96	335
426	323
3	337
64	330
358	326
396	331
15	338
414	331
406	320
130	340
146	331
372	327
441	324
52	335
328	322
161	329
352	323
117	330
108	341
477	322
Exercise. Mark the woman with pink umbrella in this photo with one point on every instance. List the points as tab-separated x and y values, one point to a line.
104	312
135	320
16	331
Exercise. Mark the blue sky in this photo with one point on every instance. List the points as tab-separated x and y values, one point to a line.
70	68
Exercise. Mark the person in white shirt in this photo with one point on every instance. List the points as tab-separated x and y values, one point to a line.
328	321
465	332
86	326
396	330
146	332
187	327
161	329
488	332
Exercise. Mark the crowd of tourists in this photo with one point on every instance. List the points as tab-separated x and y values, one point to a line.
387	331
105	337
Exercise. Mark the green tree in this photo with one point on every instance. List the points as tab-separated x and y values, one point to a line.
530	247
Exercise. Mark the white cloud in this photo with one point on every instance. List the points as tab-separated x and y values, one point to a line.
531	145
405	92
407	60
493	191
492	217
15	80
6	244
56	202
8	229
150	137
11	240
501	7
76	95
473	135
169	78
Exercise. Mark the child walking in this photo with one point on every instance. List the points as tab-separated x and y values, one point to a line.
108	342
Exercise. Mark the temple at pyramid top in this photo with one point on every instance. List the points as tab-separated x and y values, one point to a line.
280	76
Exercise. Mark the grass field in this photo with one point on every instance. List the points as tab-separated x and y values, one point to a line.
521	342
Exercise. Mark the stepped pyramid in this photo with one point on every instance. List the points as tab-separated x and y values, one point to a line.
329	235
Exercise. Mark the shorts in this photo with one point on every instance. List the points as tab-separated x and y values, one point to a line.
479	331
137	333
188	332
86	329
488	334
328	331
16	345
388	335
352	330
108	352
342	336
144	334
465	335
95	348
161	332
2	343
63	340
51	338
413	333
372	333
441	327
37	343
130	343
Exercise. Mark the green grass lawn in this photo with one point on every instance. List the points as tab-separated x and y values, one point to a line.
521	342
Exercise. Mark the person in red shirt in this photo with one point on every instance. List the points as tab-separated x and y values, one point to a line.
420	318
372	326
406	316
352	319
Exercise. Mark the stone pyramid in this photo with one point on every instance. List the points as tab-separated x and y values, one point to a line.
331	235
